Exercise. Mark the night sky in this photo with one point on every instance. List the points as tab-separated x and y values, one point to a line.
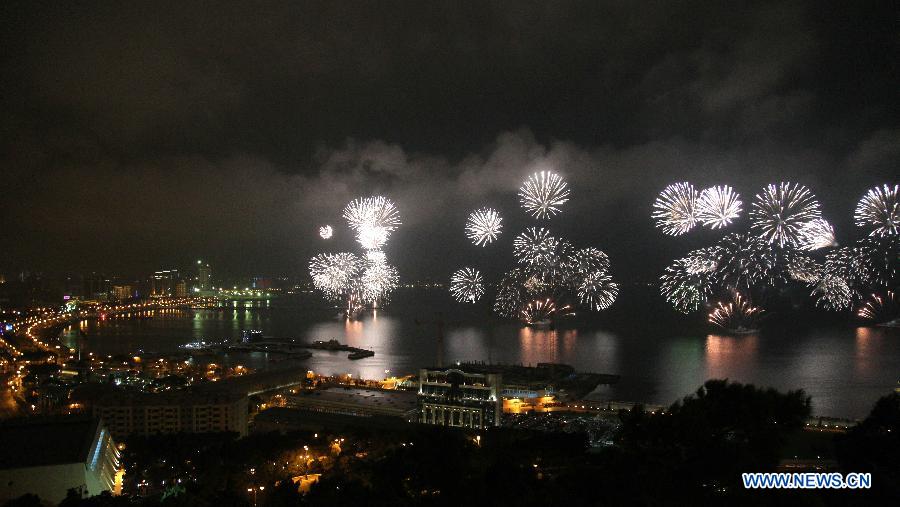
141	136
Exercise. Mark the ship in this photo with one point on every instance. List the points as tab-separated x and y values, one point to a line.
360	354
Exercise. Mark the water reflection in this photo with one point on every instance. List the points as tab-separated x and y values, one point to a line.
844	369
731	356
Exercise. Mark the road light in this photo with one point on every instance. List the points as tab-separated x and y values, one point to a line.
255	489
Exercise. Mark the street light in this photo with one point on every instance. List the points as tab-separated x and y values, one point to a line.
254	489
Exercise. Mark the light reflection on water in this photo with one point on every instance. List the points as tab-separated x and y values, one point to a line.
844	369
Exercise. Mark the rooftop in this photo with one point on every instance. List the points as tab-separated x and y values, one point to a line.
42	441
365	398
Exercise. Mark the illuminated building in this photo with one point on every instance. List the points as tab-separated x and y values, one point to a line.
181	289
204	276
454	397
182	411
122	292
95	287
162	283
47	456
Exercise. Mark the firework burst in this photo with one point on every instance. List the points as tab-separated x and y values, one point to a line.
377	281
685	289
745	261
675	210
373	218
467	285
483	226
543	193
535	246
589	260
702	260
372	237
335	274
833	293
880	308
542	312
801	268
511	292
597	291
879	210
718	206
816	234
781	211
737	314
326	232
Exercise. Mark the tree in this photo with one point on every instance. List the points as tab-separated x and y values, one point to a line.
873	446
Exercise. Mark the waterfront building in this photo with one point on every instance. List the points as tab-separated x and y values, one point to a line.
95	287
204	276
122	292
47	456
162	283
454	397
181	289
183	411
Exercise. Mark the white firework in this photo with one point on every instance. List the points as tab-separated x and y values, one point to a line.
376	257
703	260
718	206
880	210
597	291
373	218
335	274
326	232
816	234
534	246
377	281
675	210
589	260
801	268
780	212
372	237
483	226
543	193
834	293
467	285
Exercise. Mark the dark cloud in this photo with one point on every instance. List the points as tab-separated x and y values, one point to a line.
140	135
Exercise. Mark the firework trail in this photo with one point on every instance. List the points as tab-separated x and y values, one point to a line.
483	226
467	285
326	232
543	193
781	211
675	210
879	209
718	206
